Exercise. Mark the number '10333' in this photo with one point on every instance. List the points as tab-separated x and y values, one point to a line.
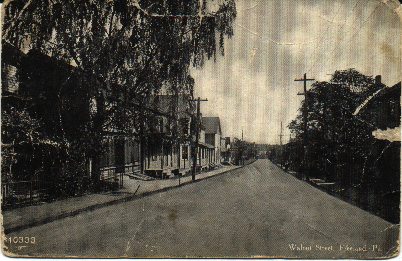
21	240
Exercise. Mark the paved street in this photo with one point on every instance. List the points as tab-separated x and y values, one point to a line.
255	211
25	217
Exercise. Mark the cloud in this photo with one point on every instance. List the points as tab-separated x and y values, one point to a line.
252	87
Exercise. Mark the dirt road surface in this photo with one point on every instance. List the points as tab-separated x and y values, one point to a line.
258	210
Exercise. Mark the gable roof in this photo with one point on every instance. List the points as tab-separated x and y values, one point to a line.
212	125
383	109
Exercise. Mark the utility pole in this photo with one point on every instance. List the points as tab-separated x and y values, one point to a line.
197	134
242	148
305	119
290	157
281	145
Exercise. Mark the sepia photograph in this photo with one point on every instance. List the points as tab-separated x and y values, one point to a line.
201	128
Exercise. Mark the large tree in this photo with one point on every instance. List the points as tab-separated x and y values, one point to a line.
342	115
338	141
133	47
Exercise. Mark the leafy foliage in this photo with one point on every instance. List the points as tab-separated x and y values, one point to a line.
337	139
340	145
121	52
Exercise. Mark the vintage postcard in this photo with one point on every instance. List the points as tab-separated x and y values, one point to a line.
201	128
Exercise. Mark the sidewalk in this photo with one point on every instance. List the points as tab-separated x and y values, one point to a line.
22	218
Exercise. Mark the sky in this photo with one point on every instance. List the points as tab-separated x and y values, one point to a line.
252	87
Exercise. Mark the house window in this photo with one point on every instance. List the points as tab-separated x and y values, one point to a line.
184	154
185	123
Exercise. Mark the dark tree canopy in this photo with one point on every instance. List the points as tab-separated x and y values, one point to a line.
118	53
136	43
332	126
135	46
342	115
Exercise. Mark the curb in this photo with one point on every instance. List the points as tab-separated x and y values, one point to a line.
104	204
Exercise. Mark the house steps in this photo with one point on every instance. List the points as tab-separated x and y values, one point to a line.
137	175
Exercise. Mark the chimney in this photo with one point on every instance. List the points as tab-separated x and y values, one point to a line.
378	80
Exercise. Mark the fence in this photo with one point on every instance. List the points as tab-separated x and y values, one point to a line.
22	192
115	174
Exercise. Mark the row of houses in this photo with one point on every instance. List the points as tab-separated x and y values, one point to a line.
160	155
55	94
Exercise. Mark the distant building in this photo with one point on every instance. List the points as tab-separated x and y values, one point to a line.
225	152
206	152
213	134
262	150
